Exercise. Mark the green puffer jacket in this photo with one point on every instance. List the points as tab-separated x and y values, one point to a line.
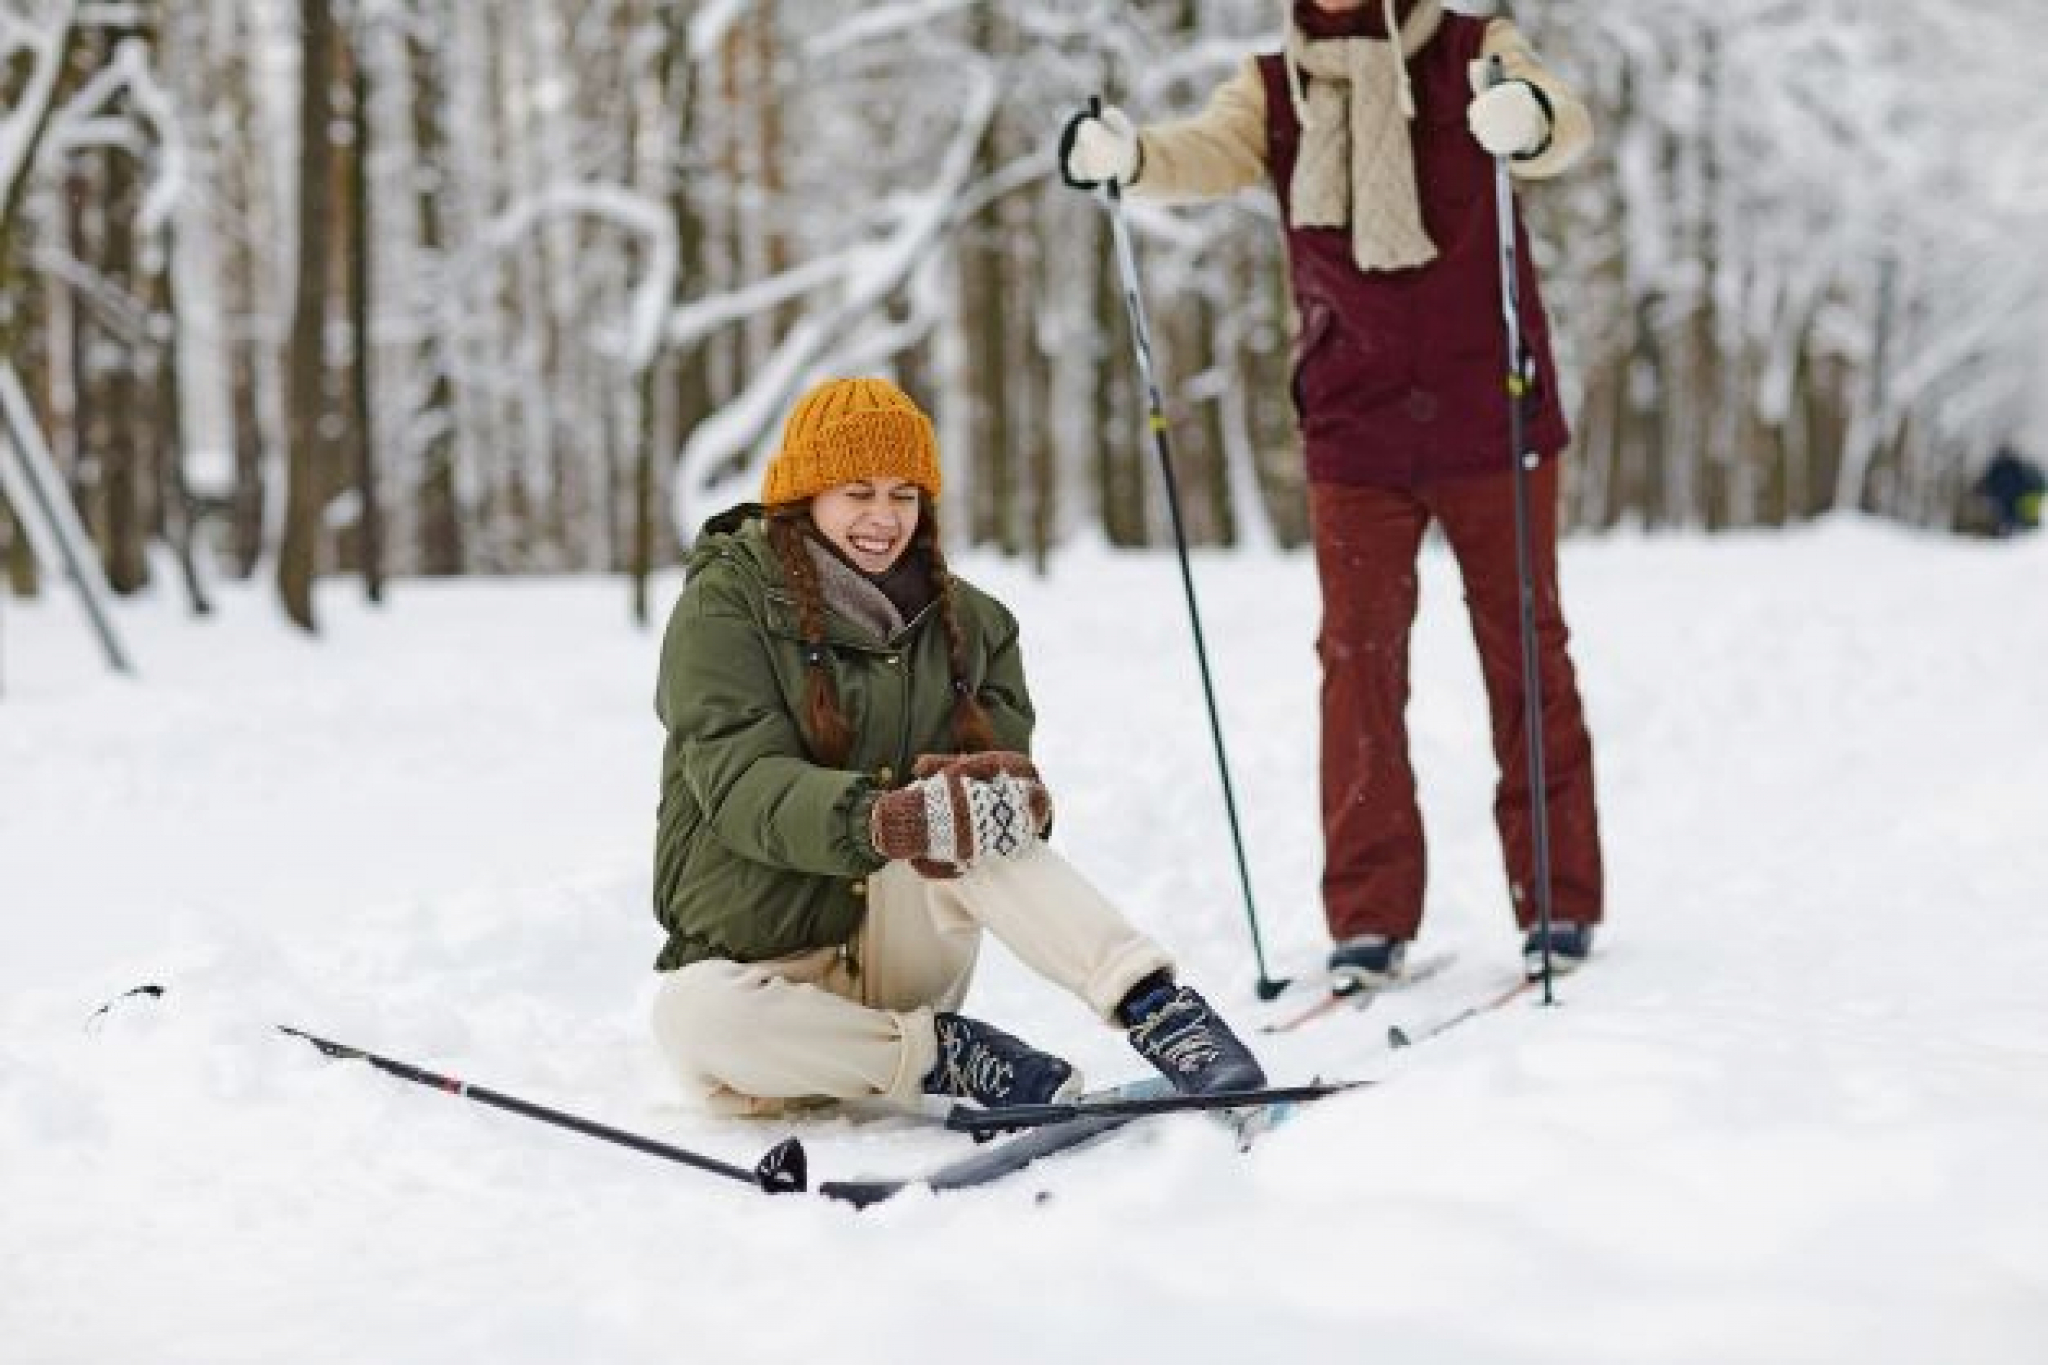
759	851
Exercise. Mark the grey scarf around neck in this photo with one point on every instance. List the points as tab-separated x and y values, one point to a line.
853	595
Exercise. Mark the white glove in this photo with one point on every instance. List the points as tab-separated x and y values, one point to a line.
1099	148
1508	119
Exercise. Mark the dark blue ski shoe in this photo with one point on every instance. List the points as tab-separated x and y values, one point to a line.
1570	946
1173	1028
1366	963
982	1064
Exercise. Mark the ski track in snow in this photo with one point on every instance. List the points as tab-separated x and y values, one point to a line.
1795	1111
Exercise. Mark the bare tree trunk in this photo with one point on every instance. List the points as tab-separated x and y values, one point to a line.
30	309
443	543
18	85
676	388
1266	367
174	494
369	512
987	299
123	448
1120	469
245	287
306	486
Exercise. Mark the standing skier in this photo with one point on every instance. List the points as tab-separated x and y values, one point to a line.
847	803
1368	127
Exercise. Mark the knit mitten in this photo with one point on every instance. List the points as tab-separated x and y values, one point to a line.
1509	119
962	809
1098	147
991	763
987	763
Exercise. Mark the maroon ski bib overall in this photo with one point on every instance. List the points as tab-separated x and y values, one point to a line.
1400	385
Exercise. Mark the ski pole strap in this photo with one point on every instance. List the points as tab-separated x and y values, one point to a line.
988	1122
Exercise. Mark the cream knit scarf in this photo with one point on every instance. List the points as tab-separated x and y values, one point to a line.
1356	164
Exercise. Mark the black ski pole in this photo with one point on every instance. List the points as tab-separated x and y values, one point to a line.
1141	340
1532	681
781	1171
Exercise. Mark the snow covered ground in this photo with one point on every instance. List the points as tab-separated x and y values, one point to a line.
1797	1112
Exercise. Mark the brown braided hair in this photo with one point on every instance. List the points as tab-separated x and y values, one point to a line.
972	731
827	730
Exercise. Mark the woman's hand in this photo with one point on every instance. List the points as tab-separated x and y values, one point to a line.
990	763
962	808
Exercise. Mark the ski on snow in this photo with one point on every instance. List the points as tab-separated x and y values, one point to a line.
1341	995
1048	1130
1053	1129
1010	1118
1398	1037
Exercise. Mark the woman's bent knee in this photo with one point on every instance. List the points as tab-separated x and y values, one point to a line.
700	1004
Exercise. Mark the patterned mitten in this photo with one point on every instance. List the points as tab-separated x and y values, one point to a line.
960	810
991	763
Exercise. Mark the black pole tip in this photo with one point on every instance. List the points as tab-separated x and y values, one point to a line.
148	988
1269	989
1396	1037
783	1170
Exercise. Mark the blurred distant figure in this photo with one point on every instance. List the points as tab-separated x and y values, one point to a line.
2011	487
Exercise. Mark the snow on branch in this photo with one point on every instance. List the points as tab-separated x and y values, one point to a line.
880	23
873	273
623	208
117	309
694	321
87	120
44	37
154	103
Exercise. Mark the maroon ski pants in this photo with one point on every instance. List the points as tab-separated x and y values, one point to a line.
1366	543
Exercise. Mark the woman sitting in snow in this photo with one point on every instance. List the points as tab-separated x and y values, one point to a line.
824	913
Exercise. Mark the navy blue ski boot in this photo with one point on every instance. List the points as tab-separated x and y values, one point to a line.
1570	946
982	1064
1173	1028
1366	962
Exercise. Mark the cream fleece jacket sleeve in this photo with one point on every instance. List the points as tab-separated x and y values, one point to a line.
1571	126
1223	149
1216	153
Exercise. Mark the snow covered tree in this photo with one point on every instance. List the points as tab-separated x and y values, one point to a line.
583	253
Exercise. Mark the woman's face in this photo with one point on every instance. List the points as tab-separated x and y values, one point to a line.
869	520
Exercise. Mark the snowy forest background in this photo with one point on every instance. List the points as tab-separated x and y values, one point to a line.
565	262
524	287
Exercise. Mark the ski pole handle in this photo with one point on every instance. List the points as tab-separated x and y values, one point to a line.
1111	186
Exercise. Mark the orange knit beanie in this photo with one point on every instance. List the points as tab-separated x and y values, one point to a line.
848	429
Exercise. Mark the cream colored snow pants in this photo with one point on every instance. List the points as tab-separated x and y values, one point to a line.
748	1037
